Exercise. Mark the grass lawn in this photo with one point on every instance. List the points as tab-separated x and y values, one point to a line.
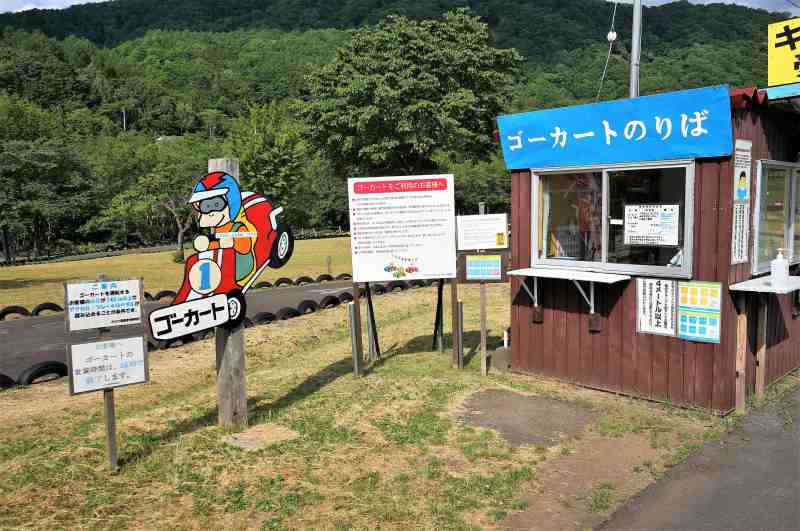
33	284
383	451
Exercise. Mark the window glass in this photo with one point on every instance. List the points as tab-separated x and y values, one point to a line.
571	216
796	254
774	211
646	216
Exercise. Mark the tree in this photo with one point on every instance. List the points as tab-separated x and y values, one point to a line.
401	90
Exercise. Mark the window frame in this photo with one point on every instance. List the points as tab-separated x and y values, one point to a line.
789	229
685	271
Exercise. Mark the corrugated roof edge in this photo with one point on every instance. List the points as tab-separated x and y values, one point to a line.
743	98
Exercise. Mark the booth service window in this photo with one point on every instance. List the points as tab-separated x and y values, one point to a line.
777	214
625	219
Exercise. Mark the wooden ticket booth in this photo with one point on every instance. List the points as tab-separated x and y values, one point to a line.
641	233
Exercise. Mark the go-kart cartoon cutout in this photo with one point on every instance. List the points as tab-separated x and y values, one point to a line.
245	238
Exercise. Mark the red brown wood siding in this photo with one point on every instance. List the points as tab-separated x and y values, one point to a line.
655	367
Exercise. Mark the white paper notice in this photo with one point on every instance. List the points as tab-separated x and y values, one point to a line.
489	231
402	228
656	303
742	164
103	304
652	225
741	233
107	364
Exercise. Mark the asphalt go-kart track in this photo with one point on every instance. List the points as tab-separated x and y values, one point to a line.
34	348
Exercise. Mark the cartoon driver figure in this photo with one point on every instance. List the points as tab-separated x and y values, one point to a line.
217	200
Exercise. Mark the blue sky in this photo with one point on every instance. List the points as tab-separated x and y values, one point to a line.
773	5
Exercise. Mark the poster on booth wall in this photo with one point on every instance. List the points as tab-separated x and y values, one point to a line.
699	311
656	306
402	228
652	225
107	365
740	232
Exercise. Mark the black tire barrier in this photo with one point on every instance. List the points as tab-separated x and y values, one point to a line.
417	284
345	297
33	373
378	289
6	382
264	318
397	284
248	323
152	345
329	301
431	282
262	285
344	276
14	310
324	278
308	306
283	281
205	334
148	296
287	313
302	281
166	294
183	340
46	307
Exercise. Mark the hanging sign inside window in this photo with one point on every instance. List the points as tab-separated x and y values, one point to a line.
656	302
107	365
488	231
402	227
103	304
687	124
742	167
699	311
652	225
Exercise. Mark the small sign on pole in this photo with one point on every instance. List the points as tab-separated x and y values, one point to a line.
106	364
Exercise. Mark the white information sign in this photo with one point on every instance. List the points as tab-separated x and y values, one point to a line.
741	233
652	225
656	303
402	228
189	317
489	231
103	304
742	167
107	364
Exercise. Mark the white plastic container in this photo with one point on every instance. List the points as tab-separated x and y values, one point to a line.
779	269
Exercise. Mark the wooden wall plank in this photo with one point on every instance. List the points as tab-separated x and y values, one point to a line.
630	339
615	336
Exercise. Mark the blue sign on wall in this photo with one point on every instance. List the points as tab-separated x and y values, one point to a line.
678	125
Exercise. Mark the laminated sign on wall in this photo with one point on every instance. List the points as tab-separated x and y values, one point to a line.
652	225
656	303
742	167
699	311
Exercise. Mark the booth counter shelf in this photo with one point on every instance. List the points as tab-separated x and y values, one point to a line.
763	287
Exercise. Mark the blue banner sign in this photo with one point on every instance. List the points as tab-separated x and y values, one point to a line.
688	124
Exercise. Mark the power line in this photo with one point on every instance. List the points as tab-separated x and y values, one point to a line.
793	3
612	37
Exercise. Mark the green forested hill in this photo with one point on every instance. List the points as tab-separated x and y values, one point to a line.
539	29
107	109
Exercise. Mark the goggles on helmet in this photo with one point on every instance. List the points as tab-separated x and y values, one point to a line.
212	204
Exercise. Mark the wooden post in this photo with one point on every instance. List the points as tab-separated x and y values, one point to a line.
357	321
761	347
484	359
741	353
460	363
355	338
456	328
231	386
438	320
111	429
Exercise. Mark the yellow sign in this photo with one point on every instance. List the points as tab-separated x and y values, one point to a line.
784	52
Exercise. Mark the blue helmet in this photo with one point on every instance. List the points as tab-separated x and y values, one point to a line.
219	184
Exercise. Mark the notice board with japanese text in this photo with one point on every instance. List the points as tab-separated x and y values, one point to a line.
402	228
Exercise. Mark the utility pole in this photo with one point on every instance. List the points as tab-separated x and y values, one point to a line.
636	48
